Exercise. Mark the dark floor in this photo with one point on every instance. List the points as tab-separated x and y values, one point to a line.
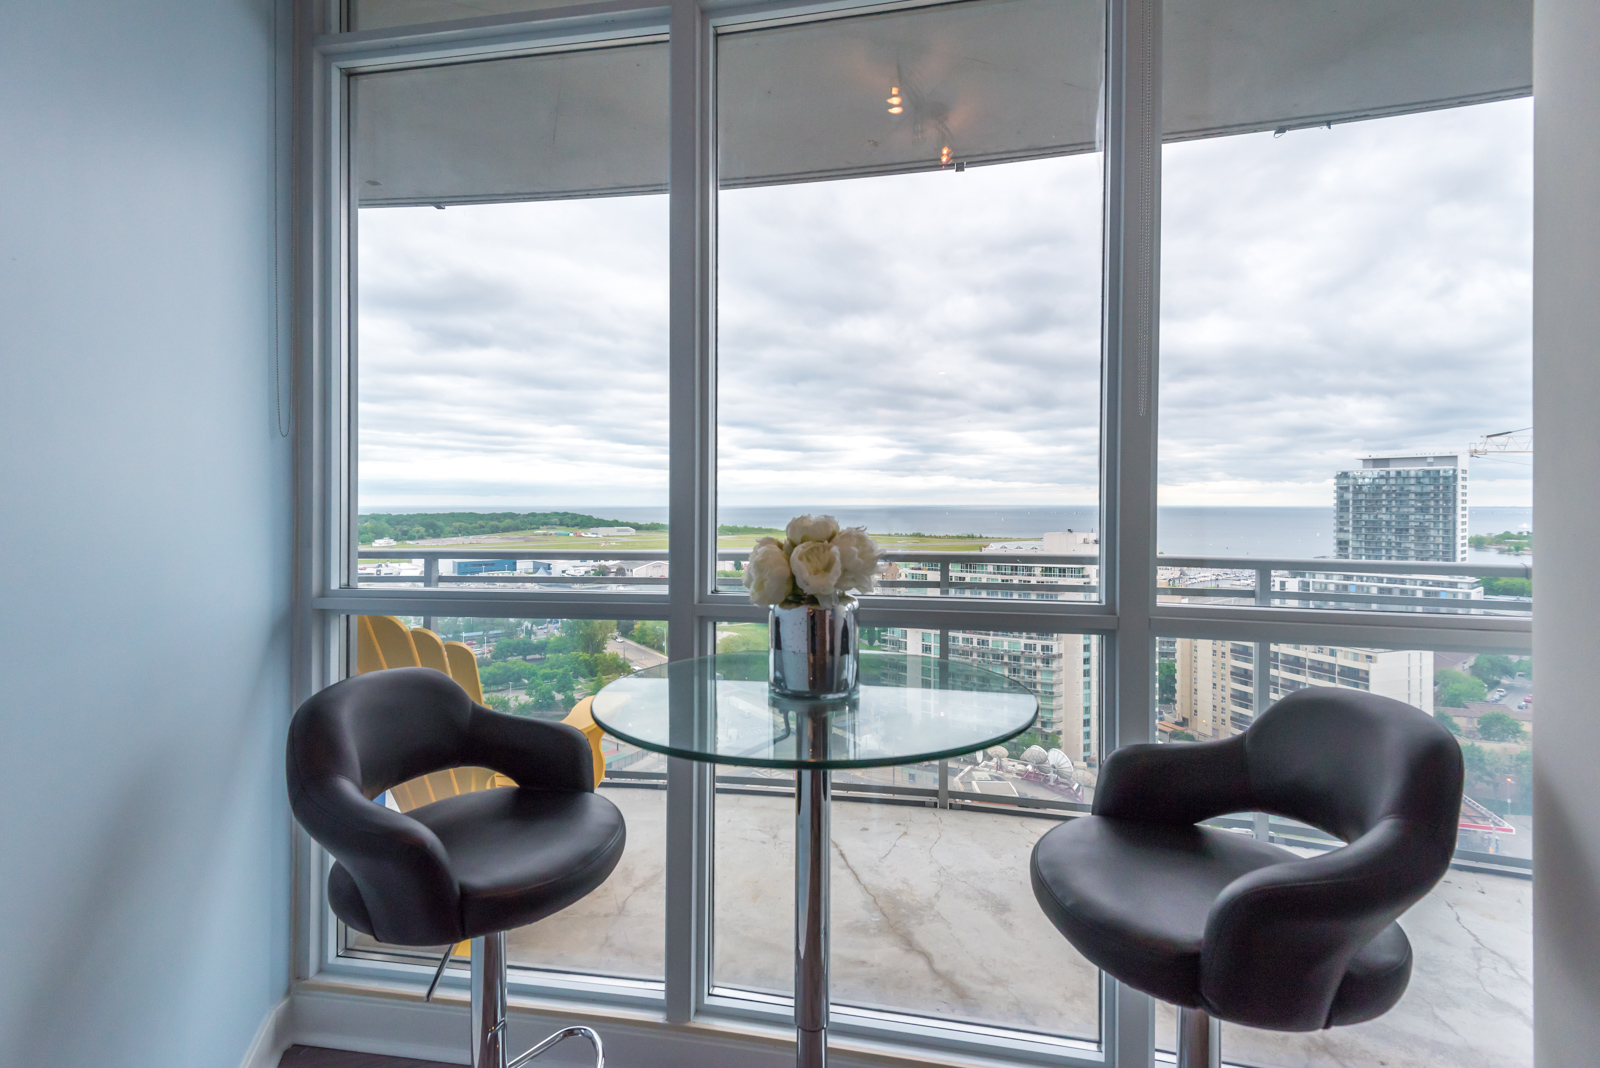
315	1057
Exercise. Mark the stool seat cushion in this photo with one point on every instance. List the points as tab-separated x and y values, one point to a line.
517	855
1134	898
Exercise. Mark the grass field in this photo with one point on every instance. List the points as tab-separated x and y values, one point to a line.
658	540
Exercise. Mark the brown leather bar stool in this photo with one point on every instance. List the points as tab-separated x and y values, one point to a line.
1230	928
470	866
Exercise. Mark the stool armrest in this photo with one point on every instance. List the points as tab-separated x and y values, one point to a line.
1174	783
379	847
1296	925
539	754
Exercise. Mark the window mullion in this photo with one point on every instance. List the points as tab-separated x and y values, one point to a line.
1132	168
692	509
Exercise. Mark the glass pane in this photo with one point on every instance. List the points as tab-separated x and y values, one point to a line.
541	668
511	285
1469	1002
932	910
1346	307
908	291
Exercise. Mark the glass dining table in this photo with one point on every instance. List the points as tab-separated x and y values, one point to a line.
906	710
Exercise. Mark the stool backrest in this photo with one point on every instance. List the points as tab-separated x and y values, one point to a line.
1343	761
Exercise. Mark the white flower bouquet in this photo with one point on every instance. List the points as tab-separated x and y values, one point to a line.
816	563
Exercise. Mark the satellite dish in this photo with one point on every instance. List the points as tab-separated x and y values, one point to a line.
996	751
1034	755
1058	759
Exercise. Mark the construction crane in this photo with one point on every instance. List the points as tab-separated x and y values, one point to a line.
1507	441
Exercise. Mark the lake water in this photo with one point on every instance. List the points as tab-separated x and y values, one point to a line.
1303	533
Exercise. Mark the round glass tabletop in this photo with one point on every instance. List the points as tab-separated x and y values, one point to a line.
908	709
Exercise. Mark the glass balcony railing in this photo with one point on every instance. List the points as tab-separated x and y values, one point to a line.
1372	585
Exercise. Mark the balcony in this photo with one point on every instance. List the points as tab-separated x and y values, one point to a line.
935	926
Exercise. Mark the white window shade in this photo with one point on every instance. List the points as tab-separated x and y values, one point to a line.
1237	66
987	80
565	124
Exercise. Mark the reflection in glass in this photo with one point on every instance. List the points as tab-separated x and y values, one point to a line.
549	669
1346	254
908	290
1470	998
510	275
932	911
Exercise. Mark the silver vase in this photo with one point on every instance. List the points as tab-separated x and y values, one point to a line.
814	649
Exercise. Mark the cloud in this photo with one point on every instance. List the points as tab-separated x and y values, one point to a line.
1338	292
935	338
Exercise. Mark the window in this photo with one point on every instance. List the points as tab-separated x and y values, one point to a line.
510	285
1486	899
908	255
611	292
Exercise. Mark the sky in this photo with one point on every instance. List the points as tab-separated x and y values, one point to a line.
934	338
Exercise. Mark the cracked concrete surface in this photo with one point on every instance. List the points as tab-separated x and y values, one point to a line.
1469	1005
933	914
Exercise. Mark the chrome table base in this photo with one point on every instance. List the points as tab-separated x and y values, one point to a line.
812	843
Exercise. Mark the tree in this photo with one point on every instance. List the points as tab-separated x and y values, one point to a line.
1507	587
651	635
1499	727
519	647
1492	667
1180	736
1167	682
742	643
1453	689
589	635
545	699
1449	722
505	673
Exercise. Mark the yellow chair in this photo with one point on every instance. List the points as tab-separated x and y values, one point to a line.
385	642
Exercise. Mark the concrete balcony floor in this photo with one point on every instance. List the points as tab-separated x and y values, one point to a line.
933	914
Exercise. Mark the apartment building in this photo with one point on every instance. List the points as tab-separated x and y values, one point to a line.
1216	679
1062	669
1409	507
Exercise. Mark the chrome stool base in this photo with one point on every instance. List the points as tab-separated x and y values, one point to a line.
1199	1040
489	1009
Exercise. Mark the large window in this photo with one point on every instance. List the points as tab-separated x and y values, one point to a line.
510	284
1176	352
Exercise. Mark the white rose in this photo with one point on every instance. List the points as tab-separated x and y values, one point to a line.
767	574
816	569
804	528
858	559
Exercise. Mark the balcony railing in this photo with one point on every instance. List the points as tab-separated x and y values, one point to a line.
1221	580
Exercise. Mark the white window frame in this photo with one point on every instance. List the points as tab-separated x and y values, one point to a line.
1127	619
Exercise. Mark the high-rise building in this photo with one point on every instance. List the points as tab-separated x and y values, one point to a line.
1410	507
1216	679
1063	670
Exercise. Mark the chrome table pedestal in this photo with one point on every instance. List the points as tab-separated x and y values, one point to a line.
812	845
723	710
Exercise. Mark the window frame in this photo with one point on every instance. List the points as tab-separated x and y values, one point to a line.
1128	619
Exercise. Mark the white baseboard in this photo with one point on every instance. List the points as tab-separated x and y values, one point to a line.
272	1038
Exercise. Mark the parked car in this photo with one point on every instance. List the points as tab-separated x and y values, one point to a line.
1497	694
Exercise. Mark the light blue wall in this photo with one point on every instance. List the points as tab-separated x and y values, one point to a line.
145	528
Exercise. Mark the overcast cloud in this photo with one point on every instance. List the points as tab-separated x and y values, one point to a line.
934	338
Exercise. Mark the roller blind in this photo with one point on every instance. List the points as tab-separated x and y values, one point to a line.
979	82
